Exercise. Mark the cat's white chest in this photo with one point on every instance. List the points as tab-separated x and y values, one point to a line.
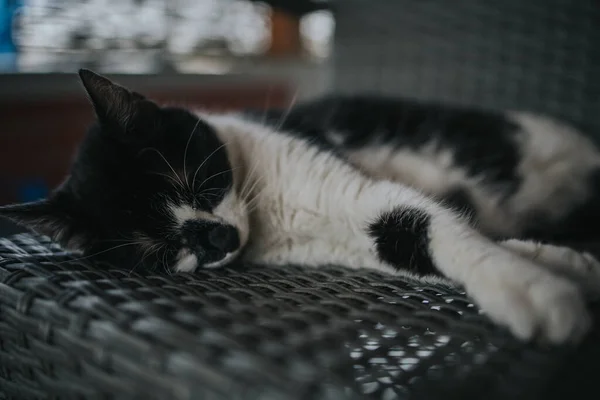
302	213
284	234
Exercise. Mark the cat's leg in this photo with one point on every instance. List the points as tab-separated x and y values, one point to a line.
581	267
412	231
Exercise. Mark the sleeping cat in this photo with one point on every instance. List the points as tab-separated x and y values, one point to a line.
424	190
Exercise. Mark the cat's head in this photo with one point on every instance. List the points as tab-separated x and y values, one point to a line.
149	185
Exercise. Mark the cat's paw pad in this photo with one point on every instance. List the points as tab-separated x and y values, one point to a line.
533	303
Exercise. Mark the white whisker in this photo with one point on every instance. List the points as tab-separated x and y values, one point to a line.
248	179
100	252
253	202
164	264
248	189
187	145
287	112
175	181
251	189
153	248
202	164
217	174
166	161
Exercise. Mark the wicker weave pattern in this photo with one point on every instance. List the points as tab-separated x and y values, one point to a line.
535	55
75	329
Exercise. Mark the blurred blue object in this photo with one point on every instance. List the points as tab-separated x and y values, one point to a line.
31	190
8	9
8	50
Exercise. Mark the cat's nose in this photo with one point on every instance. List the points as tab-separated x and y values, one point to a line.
224	238
202	236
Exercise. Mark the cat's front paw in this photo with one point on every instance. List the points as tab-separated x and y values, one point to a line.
530	301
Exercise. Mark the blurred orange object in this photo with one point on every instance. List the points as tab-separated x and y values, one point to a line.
285	34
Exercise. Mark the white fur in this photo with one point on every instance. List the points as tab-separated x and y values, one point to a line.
309	207
224	261
511	289
182	213
186	262
556	159
432	169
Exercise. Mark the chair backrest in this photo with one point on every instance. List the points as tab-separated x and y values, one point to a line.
536	55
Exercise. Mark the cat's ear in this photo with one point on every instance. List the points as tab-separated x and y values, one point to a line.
113	103
42	216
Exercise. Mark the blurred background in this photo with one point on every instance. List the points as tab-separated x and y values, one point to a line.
539	55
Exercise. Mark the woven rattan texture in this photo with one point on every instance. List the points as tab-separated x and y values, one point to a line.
74	329
537	55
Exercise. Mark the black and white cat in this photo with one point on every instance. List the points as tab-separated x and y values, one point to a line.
422	190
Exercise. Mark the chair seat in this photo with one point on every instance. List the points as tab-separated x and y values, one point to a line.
72	328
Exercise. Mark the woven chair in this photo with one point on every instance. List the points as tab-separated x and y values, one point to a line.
73	328
70	328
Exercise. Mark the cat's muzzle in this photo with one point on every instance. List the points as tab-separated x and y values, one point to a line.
210	241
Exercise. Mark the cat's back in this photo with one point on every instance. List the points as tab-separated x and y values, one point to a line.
515	170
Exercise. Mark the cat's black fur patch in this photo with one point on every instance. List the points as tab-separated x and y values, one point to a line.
402	240
482	141
296	123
